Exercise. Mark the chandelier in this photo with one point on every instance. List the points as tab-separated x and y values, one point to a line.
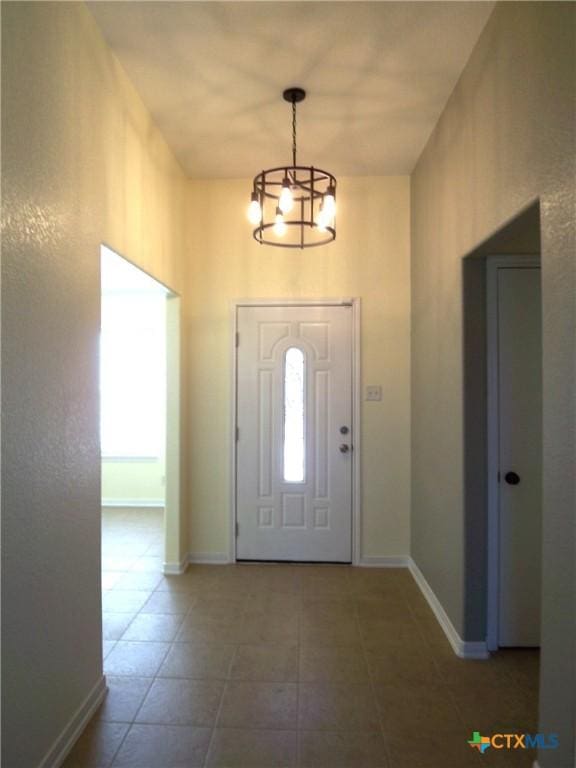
293	206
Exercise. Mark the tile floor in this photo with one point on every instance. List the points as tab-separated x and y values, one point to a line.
262	666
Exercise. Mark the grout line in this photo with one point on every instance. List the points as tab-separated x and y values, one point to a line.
224	687
373	689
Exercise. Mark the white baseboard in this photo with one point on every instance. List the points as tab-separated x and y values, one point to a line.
130	503
64	743
463	648
208	558
176	569
391	561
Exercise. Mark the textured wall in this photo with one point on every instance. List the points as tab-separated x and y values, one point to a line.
369	259
505	138
81	163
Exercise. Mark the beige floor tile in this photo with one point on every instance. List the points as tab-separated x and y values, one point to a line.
181	702
505	758
115	624
420	607
158	627
124	601
199	662
326	583
284	603
206	632
138	581
328	608
337	706
387	634
118	563
470	672
496	709
386	608
150	564
234	748
265	629
243	634
110	578
123	700
282	579
217	609
329	632
135	659
402	665
521	666
259	705
164	746
265	663
342	749
439	749
169	602
184	582
97	745
416	707
333	665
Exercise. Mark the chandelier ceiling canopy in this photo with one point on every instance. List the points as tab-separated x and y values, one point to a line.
293	206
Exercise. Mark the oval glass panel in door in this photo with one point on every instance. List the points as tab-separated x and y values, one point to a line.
294	430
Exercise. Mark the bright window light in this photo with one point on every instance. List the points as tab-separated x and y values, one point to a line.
133	375
294	416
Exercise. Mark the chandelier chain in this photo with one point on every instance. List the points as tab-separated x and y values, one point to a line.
294	133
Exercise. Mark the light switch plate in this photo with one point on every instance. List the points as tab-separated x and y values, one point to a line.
374	392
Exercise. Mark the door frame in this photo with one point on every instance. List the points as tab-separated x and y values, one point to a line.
493	264
355	303
174	555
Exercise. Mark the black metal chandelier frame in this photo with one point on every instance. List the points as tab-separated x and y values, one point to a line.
309	187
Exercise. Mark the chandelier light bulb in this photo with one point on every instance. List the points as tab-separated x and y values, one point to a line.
279	224
254	209
329	202
286	201
324	219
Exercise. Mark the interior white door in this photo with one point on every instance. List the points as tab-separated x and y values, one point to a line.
520	449
294	441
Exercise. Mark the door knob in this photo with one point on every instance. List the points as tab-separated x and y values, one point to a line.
344	430
512	478
344	448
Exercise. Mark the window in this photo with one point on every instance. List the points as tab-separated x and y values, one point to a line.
133	375
294	429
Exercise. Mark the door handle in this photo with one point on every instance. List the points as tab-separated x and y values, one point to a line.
512	478
344	448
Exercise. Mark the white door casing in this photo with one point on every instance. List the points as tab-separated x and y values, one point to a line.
292	507
515	396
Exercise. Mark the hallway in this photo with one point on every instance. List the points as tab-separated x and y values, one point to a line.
249	666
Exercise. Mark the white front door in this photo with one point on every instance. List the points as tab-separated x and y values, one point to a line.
520	450
294	441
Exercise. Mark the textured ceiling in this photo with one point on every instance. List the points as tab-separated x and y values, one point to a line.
378	75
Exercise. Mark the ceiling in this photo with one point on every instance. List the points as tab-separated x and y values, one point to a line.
378	75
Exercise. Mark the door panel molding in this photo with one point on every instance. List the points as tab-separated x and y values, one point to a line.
493	264
355	304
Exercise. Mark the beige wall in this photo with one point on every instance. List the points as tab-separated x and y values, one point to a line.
133	481
369	259
82	163
505	138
